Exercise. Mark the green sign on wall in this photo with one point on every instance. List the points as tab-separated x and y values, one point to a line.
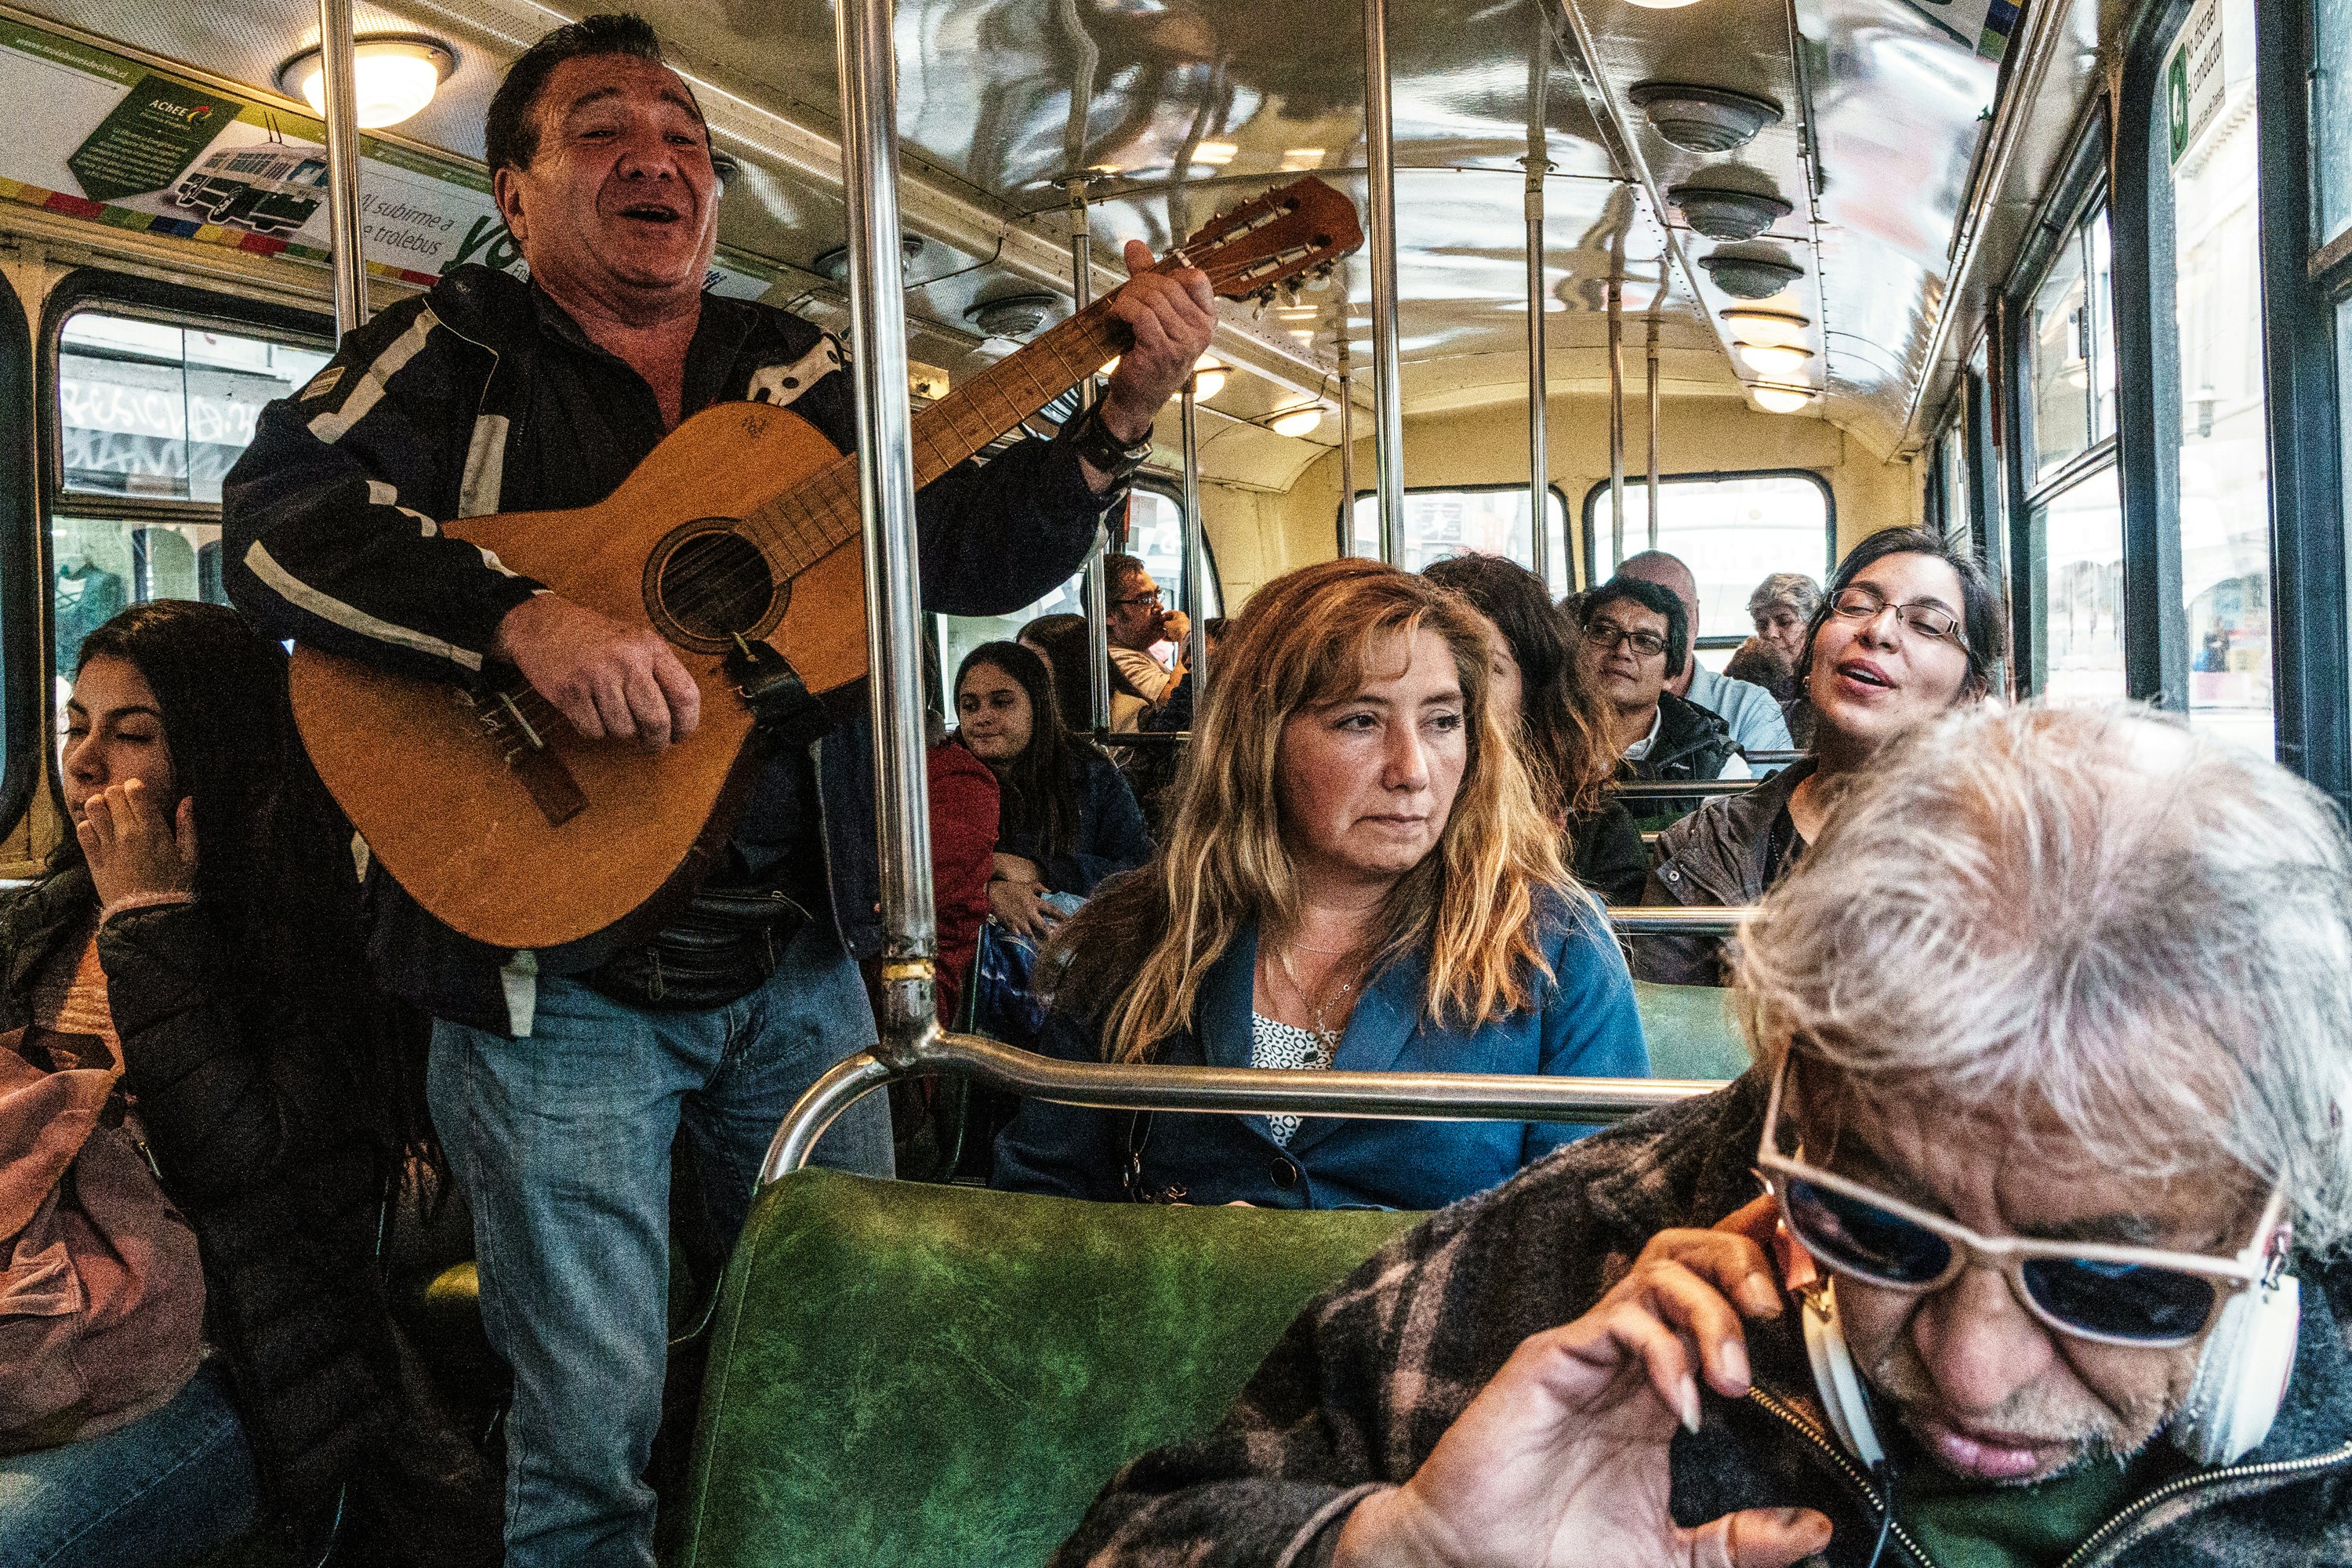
154	134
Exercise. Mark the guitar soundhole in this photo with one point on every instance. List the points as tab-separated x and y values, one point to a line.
715	583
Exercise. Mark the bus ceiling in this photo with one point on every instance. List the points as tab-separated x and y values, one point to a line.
1848	173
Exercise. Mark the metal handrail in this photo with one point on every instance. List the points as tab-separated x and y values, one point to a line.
1693	920
1669	789
1769	757
1110	1086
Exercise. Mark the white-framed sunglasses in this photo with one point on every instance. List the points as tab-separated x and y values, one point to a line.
2146	1297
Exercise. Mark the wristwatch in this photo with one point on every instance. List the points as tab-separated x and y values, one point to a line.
1095	443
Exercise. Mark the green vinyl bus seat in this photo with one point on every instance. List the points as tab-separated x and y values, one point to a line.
1692	1030
943	1377
935	1376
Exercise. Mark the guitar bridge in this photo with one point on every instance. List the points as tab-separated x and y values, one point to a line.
518	741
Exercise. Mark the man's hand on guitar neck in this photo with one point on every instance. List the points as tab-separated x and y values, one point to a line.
1171	315
607	678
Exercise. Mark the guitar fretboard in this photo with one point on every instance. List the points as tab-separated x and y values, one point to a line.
820	515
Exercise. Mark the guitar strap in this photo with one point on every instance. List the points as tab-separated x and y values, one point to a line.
786	711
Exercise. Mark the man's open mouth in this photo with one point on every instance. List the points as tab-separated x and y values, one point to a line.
651	212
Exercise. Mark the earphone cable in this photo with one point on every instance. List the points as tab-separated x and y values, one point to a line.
1882	1473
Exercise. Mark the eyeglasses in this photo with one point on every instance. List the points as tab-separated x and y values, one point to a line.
1932	621
1153	599
2144	1296
1609	637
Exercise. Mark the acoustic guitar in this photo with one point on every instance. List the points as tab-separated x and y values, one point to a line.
738	540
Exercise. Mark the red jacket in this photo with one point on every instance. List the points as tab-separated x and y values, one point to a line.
963	844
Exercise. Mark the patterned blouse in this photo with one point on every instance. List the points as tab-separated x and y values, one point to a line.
1274	1044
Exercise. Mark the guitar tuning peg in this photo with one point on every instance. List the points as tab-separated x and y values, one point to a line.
1290	293
1318	280
1261	300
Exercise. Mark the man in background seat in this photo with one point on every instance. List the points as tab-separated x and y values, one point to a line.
1753	718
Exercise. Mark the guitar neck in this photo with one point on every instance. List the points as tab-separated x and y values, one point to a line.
803	527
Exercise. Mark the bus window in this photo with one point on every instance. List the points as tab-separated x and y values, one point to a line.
2071	350
2225	552
2073	492
2331	118
1155	535
2081	602
1732	530
151	415
1488	520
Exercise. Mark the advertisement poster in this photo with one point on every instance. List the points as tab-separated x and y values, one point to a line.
112	141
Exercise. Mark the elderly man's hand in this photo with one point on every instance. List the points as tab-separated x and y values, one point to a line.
1171	315
1561	1460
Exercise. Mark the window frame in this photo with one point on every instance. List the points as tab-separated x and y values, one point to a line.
2311	640
147	298
1829	522
2079	189
1551	488
165	304
23	623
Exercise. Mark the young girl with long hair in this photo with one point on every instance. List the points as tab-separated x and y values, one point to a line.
1357	877
1068	820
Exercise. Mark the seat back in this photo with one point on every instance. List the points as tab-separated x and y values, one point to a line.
1692	1031
943	1377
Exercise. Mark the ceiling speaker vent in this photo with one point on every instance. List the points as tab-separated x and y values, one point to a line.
1719	213
1750	276
1704	118
1012	316
835	263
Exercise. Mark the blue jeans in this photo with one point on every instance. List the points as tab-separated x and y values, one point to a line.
563	1142
171	1487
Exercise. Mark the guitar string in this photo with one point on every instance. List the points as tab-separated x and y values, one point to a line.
840	508
782	521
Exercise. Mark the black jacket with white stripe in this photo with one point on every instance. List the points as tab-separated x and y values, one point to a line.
482	396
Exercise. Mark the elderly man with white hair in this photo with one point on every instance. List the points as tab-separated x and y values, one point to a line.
2054	1040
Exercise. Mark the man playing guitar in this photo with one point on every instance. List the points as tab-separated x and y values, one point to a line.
559	1080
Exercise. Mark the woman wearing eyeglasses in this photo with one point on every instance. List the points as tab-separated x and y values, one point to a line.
1909	629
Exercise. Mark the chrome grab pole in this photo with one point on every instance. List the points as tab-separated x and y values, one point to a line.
1616	411
341	77
1096	589
1391	1096
867	69
1538	380
1653	357
1347	436
1380	139
1195	596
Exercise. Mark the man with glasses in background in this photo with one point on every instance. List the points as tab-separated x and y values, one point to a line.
1747	709
2022	1243
1140	621
1634	637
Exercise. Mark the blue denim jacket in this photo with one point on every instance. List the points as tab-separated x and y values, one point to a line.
1584	1024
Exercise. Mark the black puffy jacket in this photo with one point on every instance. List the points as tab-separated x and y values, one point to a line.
248	1107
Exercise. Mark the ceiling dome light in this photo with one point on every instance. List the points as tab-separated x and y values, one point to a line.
1011	315
397	73
1782	360
1663	5
1297	422
1757	326
1781	399
1208	379
1704	118
1720	214
835	263
1746	277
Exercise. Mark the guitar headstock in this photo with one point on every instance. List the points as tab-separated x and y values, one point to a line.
1294	231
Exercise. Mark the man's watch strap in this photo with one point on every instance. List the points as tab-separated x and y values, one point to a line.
1093	442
